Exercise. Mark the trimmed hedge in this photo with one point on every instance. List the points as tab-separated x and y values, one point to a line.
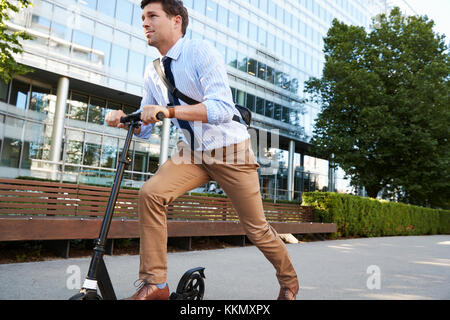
367	217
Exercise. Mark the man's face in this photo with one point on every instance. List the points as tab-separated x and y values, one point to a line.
158	26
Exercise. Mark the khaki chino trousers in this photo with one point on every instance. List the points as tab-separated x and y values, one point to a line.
235	170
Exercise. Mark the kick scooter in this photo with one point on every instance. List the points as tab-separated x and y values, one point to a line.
191	285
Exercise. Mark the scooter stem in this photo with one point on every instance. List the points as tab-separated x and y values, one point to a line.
100	242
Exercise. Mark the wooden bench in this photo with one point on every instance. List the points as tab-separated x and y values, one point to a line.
38	210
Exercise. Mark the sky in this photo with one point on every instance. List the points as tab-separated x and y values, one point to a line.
436	10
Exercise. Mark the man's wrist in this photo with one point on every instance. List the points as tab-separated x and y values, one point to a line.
172	112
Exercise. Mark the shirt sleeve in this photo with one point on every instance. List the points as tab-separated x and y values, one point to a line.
147	98
213	79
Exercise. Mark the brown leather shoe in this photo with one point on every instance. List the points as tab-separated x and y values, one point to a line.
288	293
148	291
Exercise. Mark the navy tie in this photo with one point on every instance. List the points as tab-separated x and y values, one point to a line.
175	102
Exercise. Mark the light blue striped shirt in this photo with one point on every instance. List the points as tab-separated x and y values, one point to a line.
200	74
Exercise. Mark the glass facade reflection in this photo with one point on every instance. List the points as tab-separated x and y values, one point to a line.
270	48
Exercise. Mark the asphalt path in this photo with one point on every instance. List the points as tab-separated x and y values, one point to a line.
388	268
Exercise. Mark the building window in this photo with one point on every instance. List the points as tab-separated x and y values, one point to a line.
40	24
242	62
280	14
124	11
119	57
104	49
222	15
20	92
196	35
222	49
107	7
262	71
137	16
243	27
231	59
96	112
78	107
252	67
211	10
271	42
269	109
2	120
253	32
33	145
240	99
140	161
40	99
262	35
200	6
61	31
277	112
285	115
109	152
12	143
260	102
270	75
136	64
272	9
251	102
85	41
233	21
279	47
263	5
233	93
11	152
92	147
3	91
188	3
90	3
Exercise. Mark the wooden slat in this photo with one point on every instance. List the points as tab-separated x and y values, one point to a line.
35	183
7	200
21	228
15	211
38	188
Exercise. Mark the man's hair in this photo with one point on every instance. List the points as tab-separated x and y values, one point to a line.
172	8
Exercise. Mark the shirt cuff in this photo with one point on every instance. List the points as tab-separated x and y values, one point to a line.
146	130
216	112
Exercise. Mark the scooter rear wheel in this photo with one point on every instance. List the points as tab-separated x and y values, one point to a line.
84	296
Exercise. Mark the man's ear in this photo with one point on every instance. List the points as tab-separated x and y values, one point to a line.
178	21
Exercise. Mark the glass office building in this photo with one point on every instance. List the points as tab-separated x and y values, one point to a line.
89	57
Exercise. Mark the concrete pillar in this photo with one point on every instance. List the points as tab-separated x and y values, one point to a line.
58	124
165	136
291	170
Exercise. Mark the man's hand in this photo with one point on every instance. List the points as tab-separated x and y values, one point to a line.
149	112
112	119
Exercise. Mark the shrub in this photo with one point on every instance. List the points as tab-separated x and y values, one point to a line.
367	217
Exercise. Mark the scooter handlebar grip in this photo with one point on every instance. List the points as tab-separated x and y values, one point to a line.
131	117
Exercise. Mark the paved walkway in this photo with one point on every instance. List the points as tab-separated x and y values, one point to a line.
372	268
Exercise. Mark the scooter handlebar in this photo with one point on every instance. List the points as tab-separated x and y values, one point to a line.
135	117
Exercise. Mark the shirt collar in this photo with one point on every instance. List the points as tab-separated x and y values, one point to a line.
175	51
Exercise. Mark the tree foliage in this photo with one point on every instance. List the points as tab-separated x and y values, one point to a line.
386	108
9	41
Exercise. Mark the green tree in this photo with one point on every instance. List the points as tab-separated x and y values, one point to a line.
9	41
385	108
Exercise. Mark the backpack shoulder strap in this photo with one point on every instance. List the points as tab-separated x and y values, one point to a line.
175	92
